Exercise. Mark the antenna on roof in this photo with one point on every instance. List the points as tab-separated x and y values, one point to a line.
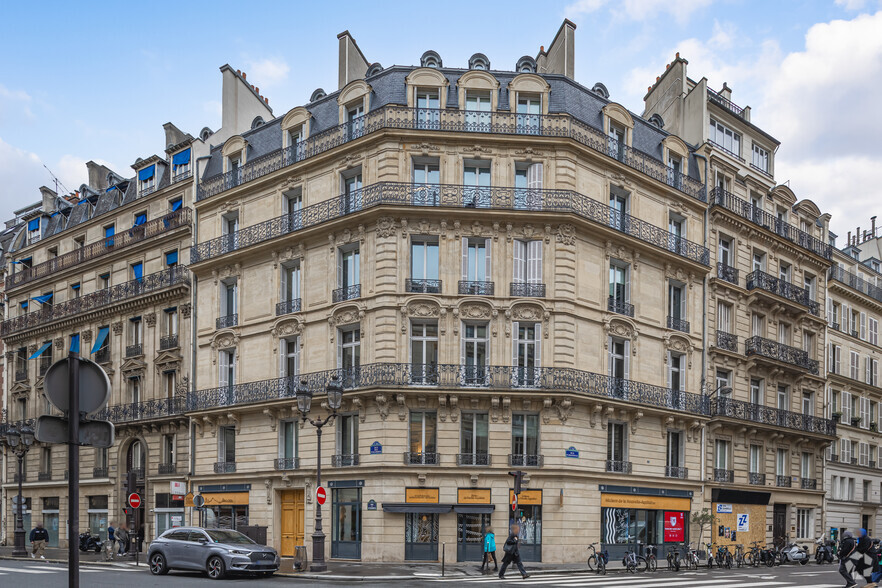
56	180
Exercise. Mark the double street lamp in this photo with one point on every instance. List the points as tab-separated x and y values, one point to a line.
304	403
19	440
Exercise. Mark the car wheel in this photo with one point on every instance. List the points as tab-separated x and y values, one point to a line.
216	568
158	566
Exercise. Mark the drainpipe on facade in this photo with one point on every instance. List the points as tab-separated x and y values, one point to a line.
704	326
194	284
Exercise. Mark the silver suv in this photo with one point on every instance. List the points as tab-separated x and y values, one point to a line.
213	551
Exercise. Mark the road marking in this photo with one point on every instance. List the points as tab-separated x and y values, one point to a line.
27	571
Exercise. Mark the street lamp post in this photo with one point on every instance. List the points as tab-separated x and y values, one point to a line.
304	402
19	441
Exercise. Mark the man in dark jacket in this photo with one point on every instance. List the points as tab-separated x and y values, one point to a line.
39	537
864	542
511	552
847	546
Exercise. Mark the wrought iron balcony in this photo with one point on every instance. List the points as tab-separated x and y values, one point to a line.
473	459
411	458
45	364
756	479
727	273
834	458
783	481
344	460
725	150
102	355
727	341
138	472
809	484
854	461
144	410
287	463
835	326
99	472
717	99
173	276
139	234
525	461
856	282
620	467
767	415
134	350
180	177
721	475
452	196
527	289
759	217
678	324
166	469
759	346
423	286
619	306
169	342
450	120
224	322
288	306
21	375
672	472
44	476
479	288
22	477
224	467
783	288
555	380
347	293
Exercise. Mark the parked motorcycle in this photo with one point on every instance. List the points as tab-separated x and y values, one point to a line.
793	553
824	550
89	542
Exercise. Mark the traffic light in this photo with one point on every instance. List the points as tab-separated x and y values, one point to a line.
131	482
518	478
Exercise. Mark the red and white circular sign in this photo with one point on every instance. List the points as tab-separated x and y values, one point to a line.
321	495
134	500
514	502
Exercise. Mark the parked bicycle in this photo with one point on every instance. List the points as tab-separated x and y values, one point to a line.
651	560
692	559
597	561
753	557
633	562
673	558
711	560
738	556
724	558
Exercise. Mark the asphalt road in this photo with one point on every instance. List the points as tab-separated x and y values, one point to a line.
49	575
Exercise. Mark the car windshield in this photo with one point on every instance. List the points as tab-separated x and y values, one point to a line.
232	537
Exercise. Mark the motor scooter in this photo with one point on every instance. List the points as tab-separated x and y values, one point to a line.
89	542
824	550
792	552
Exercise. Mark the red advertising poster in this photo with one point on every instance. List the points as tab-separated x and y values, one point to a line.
675	529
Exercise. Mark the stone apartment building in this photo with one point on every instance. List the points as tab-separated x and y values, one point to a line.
505	269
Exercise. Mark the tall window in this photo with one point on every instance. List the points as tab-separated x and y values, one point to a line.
805	466
168	450
677	306
528	185
676	232
525	439
724	251
478	115
721	454
424	262
289	357
170	322
352	197
428	105
136	331
619	290
616	439
226	367
288	442
290	283
476	184
805	523
782	467
227	445
619	362
349	268
230	230
424	352
676	371
423	429
527	264
347	438
475	353
759	261
616	141
618	213
675	169
724	317
229	290
169	383
761	161
476	268
755	459
426	179
757	325
529	109
46	460
675	452
757	391
474	439
349	353
724	380
134	385
808	402
355	120
292	205
725	137
527	353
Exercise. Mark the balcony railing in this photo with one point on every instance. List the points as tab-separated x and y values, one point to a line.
757	216
423	286
224	322
809	484
783	288
452	376
783	481
169	342
166	469
224	467
767	415
619	306
450	120
102	355
717	99
287	463
411	458
619	467
287	306
779	352
727	341
148	230
678	324
676	472
721	475
344	460
527	289
347	293
727	273
21	375
45	364
144	410
473	459
520	460
134	350
854	281
452	196
480	288
138	473
99	472
168	277
755	479
44	476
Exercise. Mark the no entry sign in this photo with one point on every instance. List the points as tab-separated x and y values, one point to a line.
514	502
321	495
134	500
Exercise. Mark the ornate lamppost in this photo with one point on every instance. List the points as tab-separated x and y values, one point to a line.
19	440
304	403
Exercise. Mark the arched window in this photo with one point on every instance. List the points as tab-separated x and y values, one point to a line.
257	122
136	458
317	94
205	133
430	59
601	90
479	61
374	69
526	64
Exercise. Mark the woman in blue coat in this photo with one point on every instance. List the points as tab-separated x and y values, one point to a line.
489	550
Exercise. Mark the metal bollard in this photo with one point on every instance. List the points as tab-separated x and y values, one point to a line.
443	550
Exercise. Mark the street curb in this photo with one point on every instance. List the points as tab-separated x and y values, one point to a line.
64	561
455	575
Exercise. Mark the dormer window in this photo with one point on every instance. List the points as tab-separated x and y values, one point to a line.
181	165
430	59
526	64
479	61
33	230
355	120
760	158
147	179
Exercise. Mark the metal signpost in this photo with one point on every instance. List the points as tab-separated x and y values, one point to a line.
78	388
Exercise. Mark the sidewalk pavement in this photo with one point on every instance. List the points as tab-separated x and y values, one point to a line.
58	555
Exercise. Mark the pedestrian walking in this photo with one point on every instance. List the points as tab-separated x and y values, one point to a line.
512	554
110	545
847	546
875	552
39	537
489	550
122	536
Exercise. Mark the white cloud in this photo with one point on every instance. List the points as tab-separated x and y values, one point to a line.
639	10
268	72
851	4
17	102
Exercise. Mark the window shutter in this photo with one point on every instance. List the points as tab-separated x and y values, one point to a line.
846	319
516	342
339	349
875	373
233	360
670	367
846	406
462	345
339	269
488	273
520	254
224	366
863	326
223	299
296	344
283	282
283	353
534	176
867	368
627	360
838	351
538	348
465	259
874	331
235	293
609	356
829	312
534	262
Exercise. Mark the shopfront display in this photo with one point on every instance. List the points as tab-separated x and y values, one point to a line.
529	517
50	519
225	510
473	509
656	517
346	523
169	513
98	514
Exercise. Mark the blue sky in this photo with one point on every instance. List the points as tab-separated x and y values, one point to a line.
96	80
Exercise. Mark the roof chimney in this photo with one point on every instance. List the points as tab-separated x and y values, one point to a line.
849	238
352	64
561	53
873	224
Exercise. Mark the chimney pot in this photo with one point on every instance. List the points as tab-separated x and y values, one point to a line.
541	48
239	71
244	76
257	90
678	55
265	99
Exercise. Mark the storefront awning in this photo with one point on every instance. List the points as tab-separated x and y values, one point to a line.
740	496
474	508
416	507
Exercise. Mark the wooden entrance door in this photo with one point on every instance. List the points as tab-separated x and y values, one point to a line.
292	521
779	523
